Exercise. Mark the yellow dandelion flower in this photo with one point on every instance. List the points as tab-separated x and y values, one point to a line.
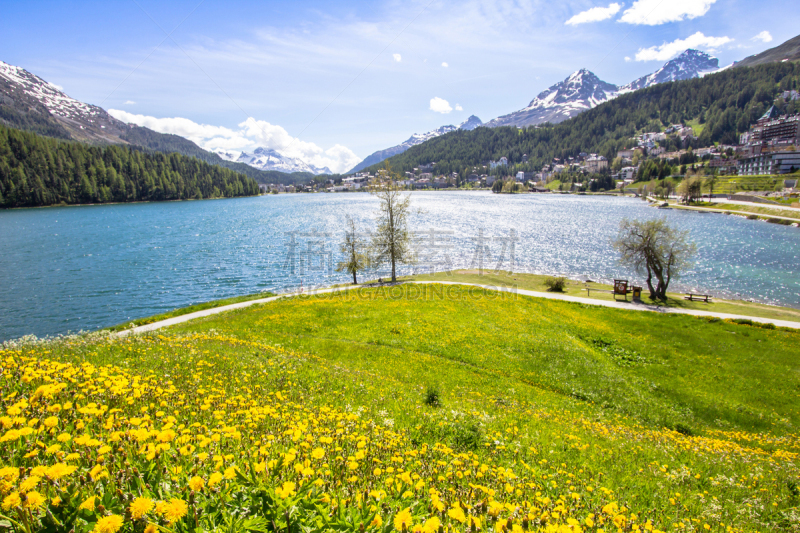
197	483
59	470
108	524
88	504
286	490
34	500
140	507
318	453
29	484
175	510
151	528
403	519
51	422
456	513
12	501
215	478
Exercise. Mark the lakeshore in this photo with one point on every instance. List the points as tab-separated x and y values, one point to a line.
67	270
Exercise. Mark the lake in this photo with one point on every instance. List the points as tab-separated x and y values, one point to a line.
66	269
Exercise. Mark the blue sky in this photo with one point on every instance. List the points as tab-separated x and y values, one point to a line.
331	82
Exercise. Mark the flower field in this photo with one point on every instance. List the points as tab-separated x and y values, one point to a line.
312	415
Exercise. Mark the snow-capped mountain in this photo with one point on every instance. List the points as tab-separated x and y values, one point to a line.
583	90
580	91
688	65
32	97
268	159
418	138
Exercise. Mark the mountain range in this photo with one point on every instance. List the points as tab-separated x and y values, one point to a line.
418	138
30	103
268	159
583	90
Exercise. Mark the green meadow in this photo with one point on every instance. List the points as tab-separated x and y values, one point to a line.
610	420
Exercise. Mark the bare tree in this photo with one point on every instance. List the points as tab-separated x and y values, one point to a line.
391	242
354	249
654	248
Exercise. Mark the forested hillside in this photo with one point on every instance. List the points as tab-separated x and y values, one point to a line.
724	105
37	171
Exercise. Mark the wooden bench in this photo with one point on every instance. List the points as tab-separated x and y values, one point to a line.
620	289
698	297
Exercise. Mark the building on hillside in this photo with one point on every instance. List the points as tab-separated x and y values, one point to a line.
263	188
628	173
769	163
522	177
724	166
502	162
656	151
791	95
596	163
771	132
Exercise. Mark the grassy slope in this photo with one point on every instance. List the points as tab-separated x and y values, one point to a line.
574	398
549	369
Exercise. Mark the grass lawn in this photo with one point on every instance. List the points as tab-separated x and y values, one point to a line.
407	407
186	310
535	282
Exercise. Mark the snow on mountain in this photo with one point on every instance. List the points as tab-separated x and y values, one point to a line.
268	159
582	90
84	121
688	65
418	138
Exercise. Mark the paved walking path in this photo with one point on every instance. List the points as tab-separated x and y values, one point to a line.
548	295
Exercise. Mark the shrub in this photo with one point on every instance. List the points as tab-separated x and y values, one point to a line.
555	284
432	396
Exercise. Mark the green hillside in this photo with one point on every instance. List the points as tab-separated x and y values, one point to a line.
724	104
39	171
407	409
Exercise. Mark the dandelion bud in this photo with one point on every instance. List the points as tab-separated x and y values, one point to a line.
101	509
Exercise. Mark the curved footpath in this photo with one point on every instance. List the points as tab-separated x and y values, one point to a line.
550	296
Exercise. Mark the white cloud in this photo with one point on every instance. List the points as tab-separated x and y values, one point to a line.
440	105
252	133
627	59
654	12
397	57
667	51
129	102
595	14
445	65
459	108
764	37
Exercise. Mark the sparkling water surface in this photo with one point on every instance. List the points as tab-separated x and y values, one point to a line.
66	269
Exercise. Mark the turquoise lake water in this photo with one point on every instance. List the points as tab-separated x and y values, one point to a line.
67	269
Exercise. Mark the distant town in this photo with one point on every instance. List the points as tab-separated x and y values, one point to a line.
769	148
